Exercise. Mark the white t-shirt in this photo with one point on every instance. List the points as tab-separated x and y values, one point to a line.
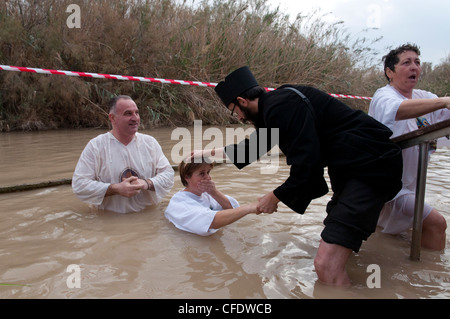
193	213
397	215
106	161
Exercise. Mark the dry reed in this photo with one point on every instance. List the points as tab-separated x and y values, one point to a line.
163	38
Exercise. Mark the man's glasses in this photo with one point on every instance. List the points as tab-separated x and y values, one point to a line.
234	106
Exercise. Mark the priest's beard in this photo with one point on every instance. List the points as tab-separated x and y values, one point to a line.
250	116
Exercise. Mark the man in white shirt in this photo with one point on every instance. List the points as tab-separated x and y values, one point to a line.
122	170
403	109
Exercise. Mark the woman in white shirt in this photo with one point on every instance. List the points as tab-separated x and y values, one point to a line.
201	208
404	109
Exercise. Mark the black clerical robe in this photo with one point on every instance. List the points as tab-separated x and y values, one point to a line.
317	131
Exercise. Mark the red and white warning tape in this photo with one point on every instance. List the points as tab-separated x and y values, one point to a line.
104	76
344	96
137	78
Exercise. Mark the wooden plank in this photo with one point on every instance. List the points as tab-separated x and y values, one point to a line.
426	134
26	187
45	184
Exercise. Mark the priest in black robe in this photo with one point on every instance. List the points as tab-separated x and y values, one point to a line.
316	130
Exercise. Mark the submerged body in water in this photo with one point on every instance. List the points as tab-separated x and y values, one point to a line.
142	255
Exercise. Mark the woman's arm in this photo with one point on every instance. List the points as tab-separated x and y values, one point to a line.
417	107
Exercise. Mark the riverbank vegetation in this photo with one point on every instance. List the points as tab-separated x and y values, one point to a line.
172	40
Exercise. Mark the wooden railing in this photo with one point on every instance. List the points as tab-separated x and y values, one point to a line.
422	137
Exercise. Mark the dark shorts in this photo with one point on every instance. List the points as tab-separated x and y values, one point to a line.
353	212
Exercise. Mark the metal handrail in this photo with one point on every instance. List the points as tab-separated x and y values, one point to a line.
422	137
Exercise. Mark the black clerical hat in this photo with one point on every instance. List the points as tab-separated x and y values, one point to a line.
236	83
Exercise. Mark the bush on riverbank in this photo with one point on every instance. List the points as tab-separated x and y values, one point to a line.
163	39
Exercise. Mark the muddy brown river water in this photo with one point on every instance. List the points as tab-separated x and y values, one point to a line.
142	255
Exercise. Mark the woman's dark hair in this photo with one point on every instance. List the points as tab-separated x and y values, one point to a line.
391	59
